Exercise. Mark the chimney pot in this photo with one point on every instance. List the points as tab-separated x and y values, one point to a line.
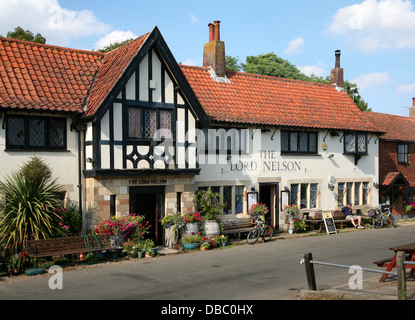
413	102
211	31
217	30
337	53
337	73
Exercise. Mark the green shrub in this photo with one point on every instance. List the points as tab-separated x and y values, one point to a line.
28	210
35	171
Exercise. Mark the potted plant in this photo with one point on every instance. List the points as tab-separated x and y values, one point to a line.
172	225
130	248
191	241
224	240
148	245
258	209
205	246
192	220
210	204
292	212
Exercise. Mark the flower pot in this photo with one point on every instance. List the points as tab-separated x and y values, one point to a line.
191	246
140	254
191	228
211	228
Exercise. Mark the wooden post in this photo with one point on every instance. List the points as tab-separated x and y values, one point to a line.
309	269
401	274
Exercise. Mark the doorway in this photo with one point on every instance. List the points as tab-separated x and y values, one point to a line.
268	194
149	202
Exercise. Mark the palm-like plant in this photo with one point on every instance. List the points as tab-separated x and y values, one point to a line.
28	210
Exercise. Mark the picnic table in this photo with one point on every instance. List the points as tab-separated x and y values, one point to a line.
390	263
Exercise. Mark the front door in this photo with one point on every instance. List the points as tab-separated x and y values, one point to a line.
268	194
148	202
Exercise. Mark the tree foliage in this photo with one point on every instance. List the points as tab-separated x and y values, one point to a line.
271	65
25	35
113	46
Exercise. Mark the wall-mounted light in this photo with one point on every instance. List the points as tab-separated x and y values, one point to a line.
89	160
376	185
331	155
331	186
286	189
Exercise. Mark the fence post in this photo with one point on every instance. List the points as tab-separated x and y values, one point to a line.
401	274
309	269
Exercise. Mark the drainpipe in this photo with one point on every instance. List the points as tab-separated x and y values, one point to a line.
78	127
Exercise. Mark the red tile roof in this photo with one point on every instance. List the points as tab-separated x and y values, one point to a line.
263	100
113	67
397	128
44	77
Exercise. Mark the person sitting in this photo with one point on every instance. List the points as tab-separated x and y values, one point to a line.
348	212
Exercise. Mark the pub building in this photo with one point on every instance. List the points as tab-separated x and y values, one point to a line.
131	131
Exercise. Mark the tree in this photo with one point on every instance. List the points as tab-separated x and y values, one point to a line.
232	64
25	35
271	65
113	46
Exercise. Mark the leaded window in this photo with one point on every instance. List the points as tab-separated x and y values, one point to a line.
144	123
355	143
35	133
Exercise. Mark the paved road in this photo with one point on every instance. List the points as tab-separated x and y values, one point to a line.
263	271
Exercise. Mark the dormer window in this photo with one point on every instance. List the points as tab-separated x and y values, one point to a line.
355	143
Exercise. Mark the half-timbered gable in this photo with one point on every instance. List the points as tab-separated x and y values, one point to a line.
143	125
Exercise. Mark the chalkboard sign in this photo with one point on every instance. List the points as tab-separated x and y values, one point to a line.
329	222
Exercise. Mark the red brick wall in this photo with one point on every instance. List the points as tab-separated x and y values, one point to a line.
388	161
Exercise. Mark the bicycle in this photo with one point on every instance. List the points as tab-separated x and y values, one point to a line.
381	218
261	229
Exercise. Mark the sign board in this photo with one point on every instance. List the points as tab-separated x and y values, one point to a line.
252	199
329	222
284	199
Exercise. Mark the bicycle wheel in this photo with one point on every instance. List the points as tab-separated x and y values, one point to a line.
253	236
377	221
268	233
393	220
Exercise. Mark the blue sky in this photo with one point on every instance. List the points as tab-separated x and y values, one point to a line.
376	37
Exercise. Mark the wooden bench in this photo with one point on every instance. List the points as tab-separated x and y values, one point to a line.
237	226
338	217
69	245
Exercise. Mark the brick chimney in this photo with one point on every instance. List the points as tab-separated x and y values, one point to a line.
214	50
412	109
336	75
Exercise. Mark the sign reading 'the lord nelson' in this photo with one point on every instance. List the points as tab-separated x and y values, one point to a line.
267	162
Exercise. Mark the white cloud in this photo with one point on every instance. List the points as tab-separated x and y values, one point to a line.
373	24
408	88
113	37
309	70
365	81
193	18
57	24
192	62
295	45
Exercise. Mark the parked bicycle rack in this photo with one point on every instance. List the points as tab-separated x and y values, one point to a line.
401	270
